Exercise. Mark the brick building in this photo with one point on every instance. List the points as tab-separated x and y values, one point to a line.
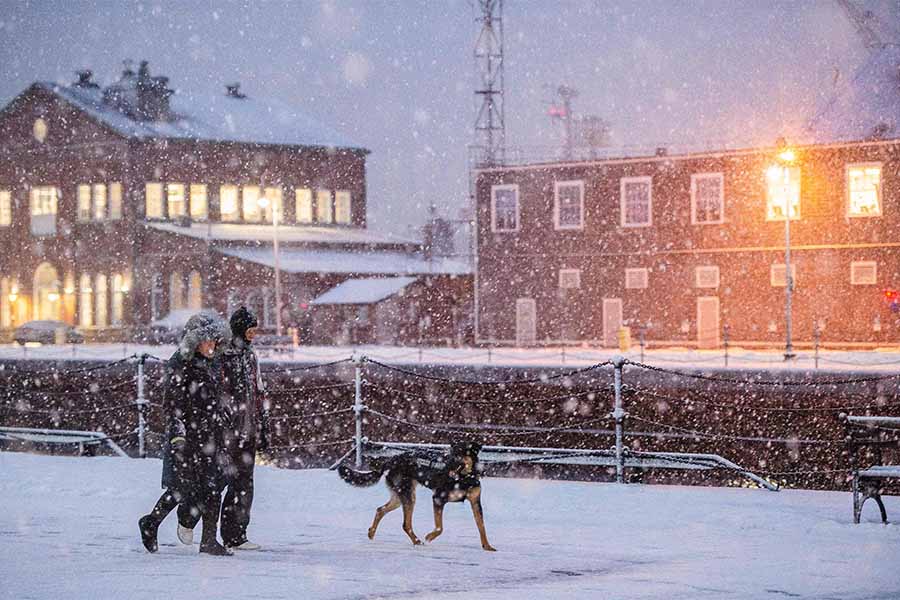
683	245
121	204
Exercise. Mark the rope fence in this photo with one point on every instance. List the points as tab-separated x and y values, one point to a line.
555	402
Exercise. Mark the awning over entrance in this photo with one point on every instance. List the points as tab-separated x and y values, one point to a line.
363	291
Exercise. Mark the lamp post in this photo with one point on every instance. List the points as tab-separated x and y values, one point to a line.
264	202
782	169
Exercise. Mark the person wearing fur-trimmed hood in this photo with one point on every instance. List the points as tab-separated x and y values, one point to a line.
194	462
246	432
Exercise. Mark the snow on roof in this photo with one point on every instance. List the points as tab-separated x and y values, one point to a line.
240	232
372	262
866	105
364	291
211	117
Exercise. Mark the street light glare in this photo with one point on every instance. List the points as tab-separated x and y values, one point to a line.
263	202
787	156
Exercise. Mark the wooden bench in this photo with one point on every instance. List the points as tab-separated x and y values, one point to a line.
867	438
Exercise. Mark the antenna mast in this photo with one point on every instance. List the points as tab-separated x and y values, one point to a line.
490	129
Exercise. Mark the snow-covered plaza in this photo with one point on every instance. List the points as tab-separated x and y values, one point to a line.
68	530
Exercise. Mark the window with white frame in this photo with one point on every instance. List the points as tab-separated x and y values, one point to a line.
175	200
782	193
153	201
504	208
570	279
636	279
342	207
707	198
569	204
84	203
118	299
5	208
229	209
199	202
706	277
864	190
115	201
778	275
324	207
304	207
636	201
863	272
44	201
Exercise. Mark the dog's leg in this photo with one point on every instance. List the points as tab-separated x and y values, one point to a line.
392	504
409	503
474	496
438	519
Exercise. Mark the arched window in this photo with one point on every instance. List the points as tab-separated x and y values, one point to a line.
176	291
118	299
5	312
102	299
47	305
86	302
195	291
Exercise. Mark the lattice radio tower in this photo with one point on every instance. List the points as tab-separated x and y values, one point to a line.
490	129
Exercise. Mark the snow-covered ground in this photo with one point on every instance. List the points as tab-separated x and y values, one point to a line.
881	360
68	531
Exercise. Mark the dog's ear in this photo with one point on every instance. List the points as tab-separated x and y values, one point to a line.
475	448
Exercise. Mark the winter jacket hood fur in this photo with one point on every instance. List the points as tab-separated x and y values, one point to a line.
202	327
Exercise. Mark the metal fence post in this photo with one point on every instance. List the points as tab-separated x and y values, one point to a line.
816	335
562	353
358	408
141	403
725	341
619	415
643	333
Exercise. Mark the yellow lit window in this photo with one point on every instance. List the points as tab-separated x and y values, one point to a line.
324	209
251	203
84	203
342	207
99	201
115	201
228	203
273	203
199	207
175	200
304	205
5	208
153	201
864	186
783	191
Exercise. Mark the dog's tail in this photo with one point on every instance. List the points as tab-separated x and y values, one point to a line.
366	478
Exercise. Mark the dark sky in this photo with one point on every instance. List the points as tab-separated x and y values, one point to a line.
398	76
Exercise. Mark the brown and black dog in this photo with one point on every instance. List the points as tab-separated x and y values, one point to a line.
453	477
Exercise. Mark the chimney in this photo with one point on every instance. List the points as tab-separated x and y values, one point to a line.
84	79
152	95
233	90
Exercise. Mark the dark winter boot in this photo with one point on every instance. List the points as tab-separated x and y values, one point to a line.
149	528
208	542
149	524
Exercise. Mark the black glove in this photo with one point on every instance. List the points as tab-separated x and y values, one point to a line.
263	442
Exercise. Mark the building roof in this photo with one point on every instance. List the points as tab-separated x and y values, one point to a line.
241	232
864	106
210	117
372	262
364	291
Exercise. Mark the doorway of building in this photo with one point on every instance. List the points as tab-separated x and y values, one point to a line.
46	293
526	322
708	322
612	321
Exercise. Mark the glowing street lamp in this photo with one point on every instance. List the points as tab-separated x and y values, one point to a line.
782	169
264	203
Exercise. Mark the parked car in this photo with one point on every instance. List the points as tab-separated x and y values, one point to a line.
167	330
45	332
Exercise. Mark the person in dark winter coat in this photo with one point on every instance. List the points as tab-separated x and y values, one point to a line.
247	432
194	463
